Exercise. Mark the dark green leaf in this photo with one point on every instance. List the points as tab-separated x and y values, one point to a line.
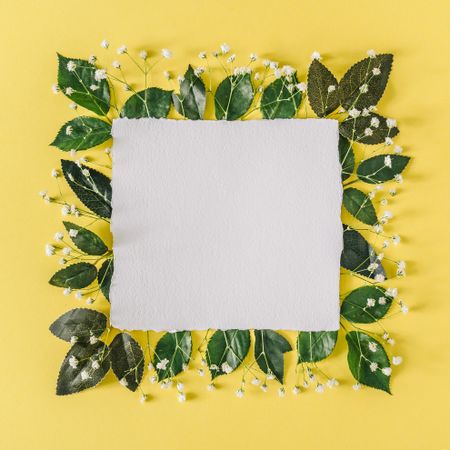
269	352
75	276
358	255
346	157
104	277
82	133
151	102
313	346
87	241
87	91
230	347
320	79
359	205
172	353
127	360
356	308
93	190
278	101
361	357
361	74
191	100
355	129
233	97
82	323
374	170
86	374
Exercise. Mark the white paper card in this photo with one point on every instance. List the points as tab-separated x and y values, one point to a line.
226	224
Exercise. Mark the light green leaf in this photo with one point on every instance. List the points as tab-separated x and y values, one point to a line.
191	100
359	205
360	74
104	277
127	360
366	365
151	102
313	346
81	323
355	129
172	353
320	79
346	157
82	133
93	190
86	240
75	276
270	347
230	347
356	308
233	97
379	169
86	90
358	255
86	374
278	101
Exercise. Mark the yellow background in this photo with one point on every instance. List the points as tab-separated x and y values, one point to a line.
109	417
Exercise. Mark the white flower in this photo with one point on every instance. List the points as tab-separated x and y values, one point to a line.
100	74
85	375
388	161
270	376
104	44
42	194
290	88
378	228
391	123
332	382
67	291
386	371
55	173
373	346
224	48
92	59
73	339
374	122
213	367
277	73
388	141
387	215
397	360
65	210
66	251
116	64
372	108
231	58
370	302
201	372
354	113
386	244
372	266
123	381
256	76
383	202
107	150
396	239
211	387
79	295
273	65
69	130
143	398
180	387
143	54
93	339
376	71
181	397
153	379
86	172
95	365
198	71
364	88
404	309
301	87
253	57
240	393
256	381
281	391
356	387
166	53
226	368
379	278
71	66
319	388
398	149
368	132
331	88
391	341
266	63
73	362
68	91
58	236
202	55
288	70
371	195
392	292
90	301
264	387
165	384
122	49
162	365
93	87
296	390
371	53
167	75
55	88
305	384
398	178
401	265
373	366
73	232
382	301
316	55
49	250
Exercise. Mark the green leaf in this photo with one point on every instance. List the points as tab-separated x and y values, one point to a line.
269	352
375	171
172	353
361	74
355	307
313	346
358	255
75	276
87	241
233	97
82	133
191	100
127	360
360	357
104	277
359	205
230	347
346	157
355	129
87	91
151	102
86	374
278	102
320	79
94	190
82	323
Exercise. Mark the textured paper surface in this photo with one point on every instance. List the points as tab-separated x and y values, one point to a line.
226	224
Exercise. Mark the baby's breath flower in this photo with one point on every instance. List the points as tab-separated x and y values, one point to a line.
73	362
397	360
273	65
331	88
370	302
396	239
224	48
73	340
67	291
202	55
281	391
73	232
332	382
104	44
356	387
256	381
374	122
296	390
231	58
264	387
256	76
398	149
277	73
379	278
388	141
364	88
153	379
266	63
211	387
85	375
71	66
398	178
166	53
316	55
373	346
240	393
181	397
386	371
55	88
167	75
55	173
58	236
90	301
95	365
301	87
143	398
100	74
368	132
92	59
143	54
162	365
201	372
373	366
93	339
180	387
319	388
388	161
198	71
287	70
49	250
79	295
392	292
66	251
122	49
376	71
123	381
354	113
69	130
73	105
93	87
253	57
116	64
391	123
371	53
